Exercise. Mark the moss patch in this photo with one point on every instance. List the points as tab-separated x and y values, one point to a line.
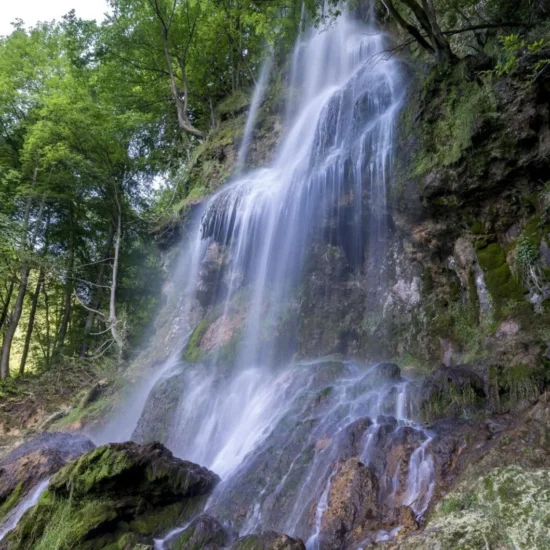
193	352
499	280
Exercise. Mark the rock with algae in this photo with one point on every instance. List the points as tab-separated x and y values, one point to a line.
118	496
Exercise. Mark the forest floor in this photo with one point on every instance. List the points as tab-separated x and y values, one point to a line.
52	400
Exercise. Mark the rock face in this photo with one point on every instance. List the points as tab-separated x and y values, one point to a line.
35	461
161	406
268	540
119	494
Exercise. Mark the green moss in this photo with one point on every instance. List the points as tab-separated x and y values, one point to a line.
507	508
459	107
192	352
182	542
13	498
498	277
491	257
450	401
234	103
157	520
92	470
59	524
477	228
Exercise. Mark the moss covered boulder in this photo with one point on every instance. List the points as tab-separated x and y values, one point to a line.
36	460
117	497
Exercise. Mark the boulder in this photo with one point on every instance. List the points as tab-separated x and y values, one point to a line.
119	494
34	461
268	540
352	505
205	533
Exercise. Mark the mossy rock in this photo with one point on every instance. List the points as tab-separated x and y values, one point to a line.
193	352
116	493
499	280
506	508
204	532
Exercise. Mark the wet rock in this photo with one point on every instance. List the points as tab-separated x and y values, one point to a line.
382	373
120	493
209	278
268	540
160	410
34	461
205	533
352	505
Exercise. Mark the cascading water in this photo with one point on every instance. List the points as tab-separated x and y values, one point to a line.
255	104
272	429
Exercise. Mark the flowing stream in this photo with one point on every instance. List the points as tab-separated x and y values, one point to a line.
272	428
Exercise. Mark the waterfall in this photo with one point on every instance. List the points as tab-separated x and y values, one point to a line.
273	428
257	98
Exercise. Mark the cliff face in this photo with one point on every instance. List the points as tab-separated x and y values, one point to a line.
461	274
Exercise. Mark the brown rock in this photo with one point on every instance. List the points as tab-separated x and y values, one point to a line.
352	504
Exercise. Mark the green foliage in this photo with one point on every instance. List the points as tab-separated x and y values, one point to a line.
464	106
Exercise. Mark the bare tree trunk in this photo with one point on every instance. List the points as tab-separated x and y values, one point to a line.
181	106
30	325
47	354
6	306
113	321
96	295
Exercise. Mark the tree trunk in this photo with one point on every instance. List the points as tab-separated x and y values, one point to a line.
96	294
13	323
67	299
6	306
183	119
30	325
47	354
15	316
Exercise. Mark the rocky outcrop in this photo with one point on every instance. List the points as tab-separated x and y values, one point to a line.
119	494
268	540
35	461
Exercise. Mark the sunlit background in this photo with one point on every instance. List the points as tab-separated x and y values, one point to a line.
32	11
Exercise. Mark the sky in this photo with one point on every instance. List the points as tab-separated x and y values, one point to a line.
32	11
